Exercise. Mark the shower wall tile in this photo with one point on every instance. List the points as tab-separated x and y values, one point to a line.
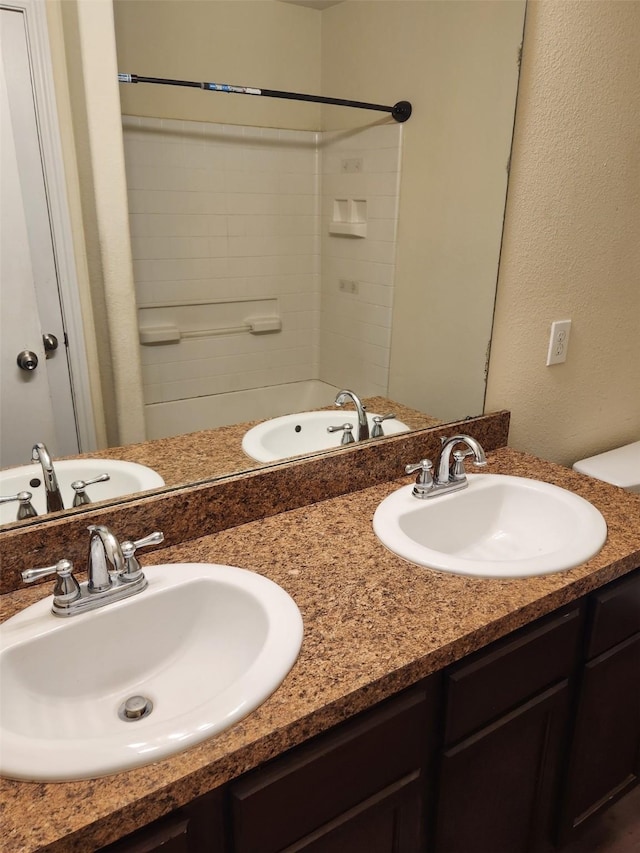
355	322
220	212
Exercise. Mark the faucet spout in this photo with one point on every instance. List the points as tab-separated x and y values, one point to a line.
444	472
105	558
363	424
40	454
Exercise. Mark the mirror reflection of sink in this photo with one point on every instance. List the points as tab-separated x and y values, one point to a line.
125	478
499	527
305	432
206	644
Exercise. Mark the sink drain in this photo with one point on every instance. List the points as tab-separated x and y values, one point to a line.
135	708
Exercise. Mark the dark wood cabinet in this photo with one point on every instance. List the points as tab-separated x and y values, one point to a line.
358	787
506	721
197	827
496	790
605	753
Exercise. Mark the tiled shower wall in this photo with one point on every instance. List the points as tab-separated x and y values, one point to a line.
358	272
232	216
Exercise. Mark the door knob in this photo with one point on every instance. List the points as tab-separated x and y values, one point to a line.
50	343
27	360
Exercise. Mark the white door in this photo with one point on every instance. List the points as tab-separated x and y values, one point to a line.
37	404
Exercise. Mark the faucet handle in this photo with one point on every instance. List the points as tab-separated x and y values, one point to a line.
424	466
81	498
347	437
25	510
457	469
67	588
132	567
377	431
424	482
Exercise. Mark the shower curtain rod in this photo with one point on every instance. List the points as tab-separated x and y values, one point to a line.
400	111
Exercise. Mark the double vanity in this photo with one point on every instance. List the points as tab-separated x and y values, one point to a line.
425	709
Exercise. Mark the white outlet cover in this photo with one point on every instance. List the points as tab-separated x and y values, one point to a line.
558	342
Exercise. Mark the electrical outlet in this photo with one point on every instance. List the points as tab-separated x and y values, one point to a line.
347	285
558	342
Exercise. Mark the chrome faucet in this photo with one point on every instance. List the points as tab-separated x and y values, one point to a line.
40	454
105	563
113	573
453	472
450	475
363	424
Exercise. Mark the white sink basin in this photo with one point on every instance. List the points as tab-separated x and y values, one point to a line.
125	479
499	527
305	432
205	643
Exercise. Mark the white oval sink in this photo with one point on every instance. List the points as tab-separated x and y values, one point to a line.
126	478
205	643
498	527
305	432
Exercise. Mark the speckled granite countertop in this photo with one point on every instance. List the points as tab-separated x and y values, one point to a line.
374	624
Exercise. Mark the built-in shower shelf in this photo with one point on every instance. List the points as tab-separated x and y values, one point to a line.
349	217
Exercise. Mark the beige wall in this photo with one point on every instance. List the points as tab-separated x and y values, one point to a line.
220	41
91	74
457	63
572	235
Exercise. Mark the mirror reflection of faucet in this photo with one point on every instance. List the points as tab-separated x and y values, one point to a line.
347	432
113	573
25	507
40	454
81	498
450	475
362	433
377	431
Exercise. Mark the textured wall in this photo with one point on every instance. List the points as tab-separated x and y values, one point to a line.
221	41
572	235
457	62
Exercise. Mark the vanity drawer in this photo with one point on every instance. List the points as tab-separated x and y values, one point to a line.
511	671
615	614
315	784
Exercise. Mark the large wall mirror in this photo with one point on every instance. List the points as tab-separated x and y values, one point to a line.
284	250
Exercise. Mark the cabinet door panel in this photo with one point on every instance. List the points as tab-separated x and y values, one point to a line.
294	795
615	614
493	681
497	787
197	827
390	822
605	760
168	835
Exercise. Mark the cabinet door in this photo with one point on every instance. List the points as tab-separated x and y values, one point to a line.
359	787
605	758
194	828
390	822
497	787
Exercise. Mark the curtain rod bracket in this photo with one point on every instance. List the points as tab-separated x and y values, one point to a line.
400	111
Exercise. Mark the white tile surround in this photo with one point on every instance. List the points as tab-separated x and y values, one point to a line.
221	213
355	328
